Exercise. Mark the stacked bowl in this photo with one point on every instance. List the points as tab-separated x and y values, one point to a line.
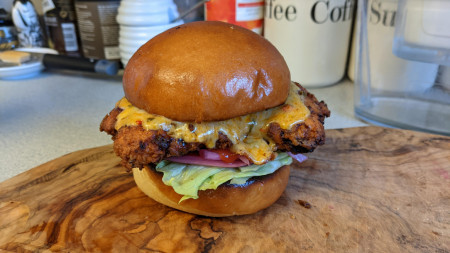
141	20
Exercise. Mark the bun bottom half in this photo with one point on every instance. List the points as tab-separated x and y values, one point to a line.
227	200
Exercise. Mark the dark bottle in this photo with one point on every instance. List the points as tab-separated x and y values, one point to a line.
60	20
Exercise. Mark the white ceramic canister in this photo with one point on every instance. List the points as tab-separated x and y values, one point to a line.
141	20
146	13
312	35
133	37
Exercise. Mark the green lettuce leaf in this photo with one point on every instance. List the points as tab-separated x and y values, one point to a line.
187	180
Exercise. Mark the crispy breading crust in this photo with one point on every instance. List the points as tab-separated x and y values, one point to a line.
138	147
306	136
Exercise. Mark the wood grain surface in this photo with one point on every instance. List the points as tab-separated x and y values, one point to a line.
367	190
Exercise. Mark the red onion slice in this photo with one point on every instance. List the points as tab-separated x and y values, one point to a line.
298	157
198	160
244	159
209	155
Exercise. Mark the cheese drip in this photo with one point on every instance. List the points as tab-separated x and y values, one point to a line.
247	133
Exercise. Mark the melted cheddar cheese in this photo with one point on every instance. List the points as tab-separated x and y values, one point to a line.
247	133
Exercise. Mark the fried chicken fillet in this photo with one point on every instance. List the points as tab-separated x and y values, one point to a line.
139	147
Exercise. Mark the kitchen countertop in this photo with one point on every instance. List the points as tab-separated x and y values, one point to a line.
56	113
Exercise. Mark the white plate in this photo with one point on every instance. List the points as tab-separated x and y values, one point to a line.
26	70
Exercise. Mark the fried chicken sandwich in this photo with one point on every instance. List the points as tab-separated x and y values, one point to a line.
211	121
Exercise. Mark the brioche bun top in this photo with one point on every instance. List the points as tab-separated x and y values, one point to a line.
206	71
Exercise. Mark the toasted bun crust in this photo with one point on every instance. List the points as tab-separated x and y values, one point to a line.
226	200
206	71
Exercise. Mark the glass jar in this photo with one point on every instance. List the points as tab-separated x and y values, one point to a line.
409	89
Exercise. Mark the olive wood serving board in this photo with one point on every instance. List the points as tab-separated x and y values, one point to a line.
368	189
